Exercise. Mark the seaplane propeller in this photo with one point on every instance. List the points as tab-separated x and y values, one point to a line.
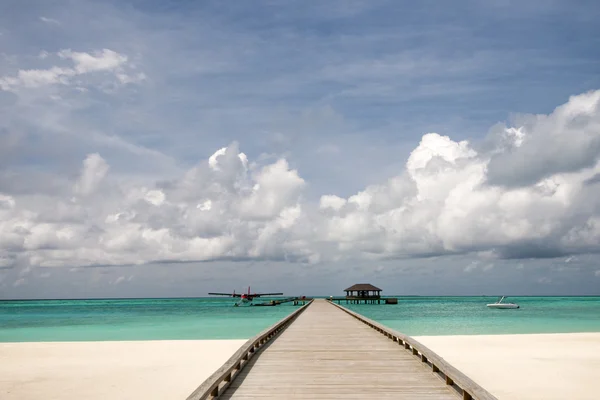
245	297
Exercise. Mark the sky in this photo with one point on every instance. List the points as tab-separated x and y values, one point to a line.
172	148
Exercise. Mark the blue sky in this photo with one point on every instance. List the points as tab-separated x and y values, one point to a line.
343	91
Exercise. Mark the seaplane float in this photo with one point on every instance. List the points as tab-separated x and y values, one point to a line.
245	298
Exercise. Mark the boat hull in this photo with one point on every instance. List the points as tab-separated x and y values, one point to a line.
503	306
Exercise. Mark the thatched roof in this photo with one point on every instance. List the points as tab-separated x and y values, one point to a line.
362	286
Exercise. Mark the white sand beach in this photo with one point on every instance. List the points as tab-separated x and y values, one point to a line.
526	367
523	367
109	370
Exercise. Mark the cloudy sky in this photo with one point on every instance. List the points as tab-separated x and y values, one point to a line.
156	148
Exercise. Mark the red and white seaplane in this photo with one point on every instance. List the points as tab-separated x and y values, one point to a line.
245	298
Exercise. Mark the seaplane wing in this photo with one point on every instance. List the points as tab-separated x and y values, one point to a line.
266	294
226	294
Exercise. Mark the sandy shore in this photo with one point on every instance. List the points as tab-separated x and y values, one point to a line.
109	370
512	367
526	367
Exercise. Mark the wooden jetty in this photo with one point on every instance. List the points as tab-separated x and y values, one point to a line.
324	351
296	300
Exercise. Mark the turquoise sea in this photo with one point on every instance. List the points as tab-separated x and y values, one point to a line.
206	318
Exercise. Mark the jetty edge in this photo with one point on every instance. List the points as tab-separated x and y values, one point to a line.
463	384
219	381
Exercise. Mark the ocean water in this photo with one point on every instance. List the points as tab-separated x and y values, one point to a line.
203	318
133	319
434	316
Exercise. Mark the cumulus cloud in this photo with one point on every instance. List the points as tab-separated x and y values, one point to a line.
544	145
450	201
453	197
332	201
82	63
217	210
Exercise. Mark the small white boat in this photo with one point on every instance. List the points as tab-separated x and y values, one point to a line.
500	304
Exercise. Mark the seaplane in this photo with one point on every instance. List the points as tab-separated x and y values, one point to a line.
245	298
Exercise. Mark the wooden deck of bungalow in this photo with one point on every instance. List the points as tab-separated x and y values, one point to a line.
324	351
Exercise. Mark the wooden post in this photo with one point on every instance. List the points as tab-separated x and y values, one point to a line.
467	396
449	380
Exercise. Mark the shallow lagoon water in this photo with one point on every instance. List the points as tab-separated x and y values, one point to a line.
209	318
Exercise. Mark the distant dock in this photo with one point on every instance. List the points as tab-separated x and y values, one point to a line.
363	300
363	293
360	293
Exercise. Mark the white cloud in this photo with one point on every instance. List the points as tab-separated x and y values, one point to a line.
205	206
487	267
515	136
277	186
597	273
93	172
6	202
472	266
155	197
209	213
331	201
33	78
226	207
50	21
565	141
443	204
104	60
119	280
83	63
213	161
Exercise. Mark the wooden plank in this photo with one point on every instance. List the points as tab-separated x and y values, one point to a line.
222	378
328	354
469	388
